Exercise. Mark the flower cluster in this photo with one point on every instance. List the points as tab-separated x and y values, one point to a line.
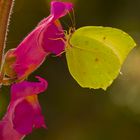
47	38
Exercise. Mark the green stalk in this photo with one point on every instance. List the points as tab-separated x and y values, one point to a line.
5	12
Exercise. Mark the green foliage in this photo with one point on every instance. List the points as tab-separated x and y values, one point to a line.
95	55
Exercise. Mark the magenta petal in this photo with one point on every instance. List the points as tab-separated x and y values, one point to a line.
29	54
23	118
48	37
23	122
39	121
53	36
60	9
26	88
27	115
53	39
24	111
7	132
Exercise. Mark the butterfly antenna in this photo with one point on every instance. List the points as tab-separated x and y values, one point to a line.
71	19
74	20
67	26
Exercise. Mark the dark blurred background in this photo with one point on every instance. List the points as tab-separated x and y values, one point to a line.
71	112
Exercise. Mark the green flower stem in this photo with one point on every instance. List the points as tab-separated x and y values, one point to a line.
5	12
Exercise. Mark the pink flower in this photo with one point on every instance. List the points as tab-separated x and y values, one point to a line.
42	41
24	111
